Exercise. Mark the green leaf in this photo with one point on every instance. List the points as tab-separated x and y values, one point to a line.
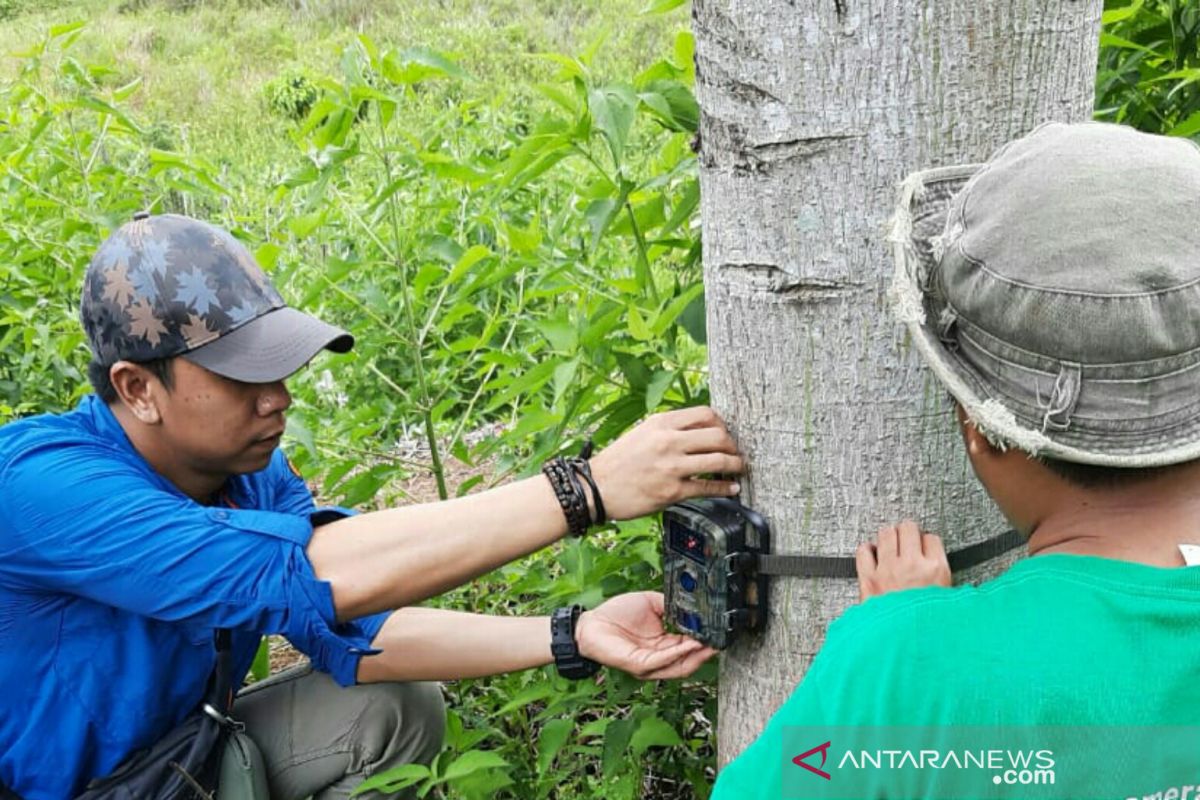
662	6
123	92
394	780
261	667
685	53
676	307
571	67
551	740
693	320
613	108
473	256
638	328
671	103
473	761
599	215
656	388
524	240
304	225
1118	14
560	333
685	206
417	64
1188	127
564	378
635	371
267	256
653	731
297	431
616	742
69	27
530	694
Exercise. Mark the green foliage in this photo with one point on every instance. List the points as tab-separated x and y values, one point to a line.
71	164
291	94
1149	75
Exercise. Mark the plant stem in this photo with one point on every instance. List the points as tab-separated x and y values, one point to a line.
439	471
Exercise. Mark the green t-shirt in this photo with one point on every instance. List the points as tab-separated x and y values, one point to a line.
1058	640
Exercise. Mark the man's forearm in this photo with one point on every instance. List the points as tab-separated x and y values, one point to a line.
389	559
433	644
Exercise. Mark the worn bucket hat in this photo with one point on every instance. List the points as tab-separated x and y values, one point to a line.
1055	292
164	286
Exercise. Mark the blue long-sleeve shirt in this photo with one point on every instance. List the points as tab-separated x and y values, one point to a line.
112	582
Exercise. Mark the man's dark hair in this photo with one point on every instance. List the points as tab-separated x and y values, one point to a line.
1091	476
98	376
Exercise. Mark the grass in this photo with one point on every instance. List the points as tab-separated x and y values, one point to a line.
204	65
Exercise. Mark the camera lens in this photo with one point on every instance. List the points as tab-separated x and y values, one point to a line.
688	581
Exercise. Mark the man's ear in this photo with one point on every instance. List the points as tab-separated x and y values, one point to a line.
976	443
138	389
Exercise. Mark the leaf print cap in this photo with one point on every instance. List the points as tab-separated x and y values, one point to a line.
168	285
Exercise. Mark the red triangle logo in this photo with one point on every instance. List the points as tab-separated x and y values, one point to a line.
824	750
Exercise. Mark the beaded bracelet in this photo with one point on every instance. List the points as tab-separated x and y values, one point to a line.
564	475
569	494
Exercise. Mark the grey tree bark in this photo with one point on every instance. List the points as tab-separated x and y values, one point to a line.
812	112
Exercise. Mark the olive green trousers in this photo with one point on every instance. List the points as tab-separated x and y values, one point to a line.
321	740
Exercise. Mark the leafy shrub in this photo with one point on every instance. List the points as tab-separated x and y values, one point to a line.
1149	73
291	94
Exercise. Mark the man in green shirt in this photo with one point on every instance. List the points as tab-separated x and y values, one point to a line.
1055	292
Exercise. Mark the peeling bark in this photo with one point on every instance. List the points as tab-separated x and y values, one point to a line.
812	112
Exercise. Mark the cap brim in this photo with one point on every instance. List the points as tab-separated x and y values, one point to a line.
271	347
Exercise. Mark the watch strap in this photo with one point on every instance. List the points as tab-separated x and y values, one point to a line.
567	659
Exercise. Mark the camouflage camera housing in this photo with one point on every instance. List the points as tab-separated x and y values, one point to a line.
711	582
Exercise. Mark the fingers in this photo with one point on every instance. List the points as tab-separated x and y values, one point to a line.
708	440
931	546
667	656
657	603
903	558
695	417
715	463
865	560
683	668
908	539
703	487
889	544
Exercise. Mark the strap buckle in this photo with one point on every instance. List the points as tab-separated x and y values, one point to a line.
224	720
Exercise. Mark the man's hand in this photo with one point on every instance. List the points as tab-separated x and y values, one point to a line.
656	463
627	632
902	558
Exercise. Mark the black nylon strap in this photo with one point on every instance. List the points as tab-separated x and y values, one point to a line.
844	566
220	694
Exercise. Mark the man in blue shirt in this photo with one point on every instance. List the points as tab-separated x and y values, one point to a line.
161	509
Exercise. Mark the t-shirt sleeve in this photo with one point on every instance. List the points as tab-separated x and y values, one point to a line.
104	530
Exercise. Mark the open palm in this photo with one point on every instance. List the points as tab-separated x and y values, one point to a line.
627	632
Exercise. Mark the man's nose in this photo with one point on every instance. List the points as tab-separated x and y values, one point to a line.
273	398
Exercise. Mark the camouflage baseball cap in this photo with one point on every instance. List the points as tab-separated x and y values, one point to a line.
164	286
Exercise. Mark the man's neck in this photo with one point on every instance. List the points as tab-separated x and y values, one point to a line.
1146	529
198	485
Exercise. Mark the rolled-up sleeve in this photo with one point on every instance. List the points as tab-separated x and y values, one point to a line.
106	530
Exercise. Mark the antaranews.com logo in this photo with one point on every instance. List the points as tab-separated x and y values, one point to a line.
1012	768
1031	763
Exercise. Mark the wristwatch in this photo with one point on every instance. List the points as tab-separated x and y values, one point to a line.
566	650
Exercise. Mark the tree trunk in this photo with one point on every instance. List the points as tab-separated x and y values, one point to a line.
812	112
